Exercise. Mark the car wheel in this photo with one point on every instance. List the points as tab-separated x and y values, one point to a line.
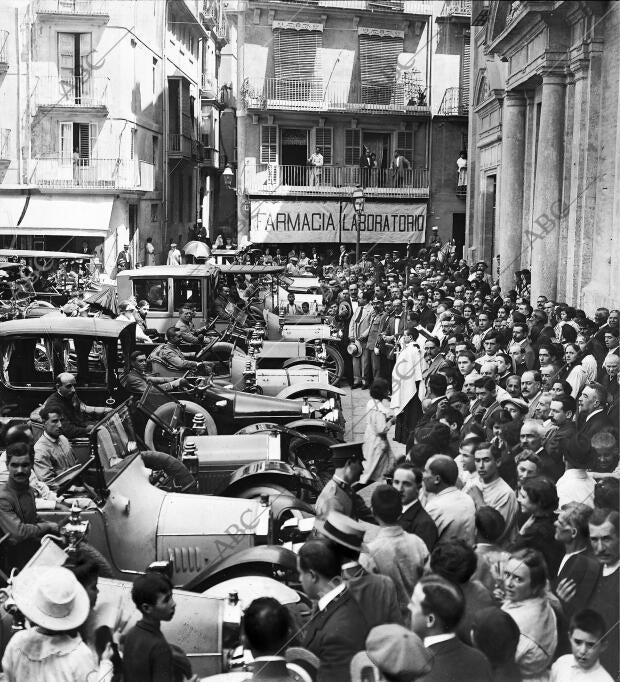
156	439
334	363
315	454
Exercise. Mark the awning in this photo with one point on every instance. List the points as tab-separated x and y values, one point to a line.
64	216
11	208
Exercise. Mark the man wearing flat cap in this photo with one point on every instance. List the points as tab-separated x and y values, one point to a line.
123	260
338	495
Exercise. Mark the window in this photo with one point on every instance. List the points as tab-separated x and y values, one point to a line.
324	141
188	291
154	76
405	144
74	65
154	213
79	137
132	143
155	141
268	144
155	291
352	146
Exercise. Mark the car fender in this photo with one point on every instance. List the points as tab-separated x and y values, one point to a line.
302	390
306	360
267	560
307	426
266	473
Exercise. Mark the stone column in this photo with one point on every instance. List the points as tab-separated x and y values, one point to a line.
243	217
548	188
511	189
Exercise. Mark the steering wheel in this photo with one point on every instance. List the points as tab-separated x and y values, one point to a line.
211	324
64	480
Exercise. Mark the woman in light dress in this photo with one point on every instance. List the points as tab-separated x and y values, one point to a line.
379	419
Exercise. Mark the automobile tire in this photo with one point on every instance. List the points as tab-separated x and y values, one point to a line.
315	454
165	412
335	362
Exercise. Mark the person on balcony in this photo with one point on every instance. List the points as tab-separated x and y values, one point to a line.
398	167
461	165
316	167
365	163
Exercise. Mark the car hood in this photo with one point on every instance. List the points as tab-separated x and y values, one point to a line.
196	531
253	405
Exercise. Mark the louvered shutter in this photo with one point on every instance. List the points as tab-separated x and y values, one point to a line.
378	57
352	147
66	141
296	56
405	144
268	144
464	78
85	85
323	140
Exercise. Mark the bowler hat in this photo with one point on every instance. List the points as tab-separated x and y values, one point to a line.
342	452
354	349
342	530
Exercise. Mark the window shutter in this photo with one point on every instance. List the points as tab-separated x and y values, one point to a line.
66	58
464	79
378	58
352	146
296	55
66	141
268	144
324	141
405	144
93	132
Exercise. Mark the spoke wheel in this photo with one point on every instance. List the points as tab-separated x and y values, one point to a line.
334	363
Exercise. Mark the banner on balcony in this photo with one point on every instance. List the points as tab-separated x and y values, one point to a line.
288	222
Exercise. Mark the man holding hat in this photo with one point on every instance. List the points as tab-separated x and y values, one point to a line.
338	495
375	594
358	336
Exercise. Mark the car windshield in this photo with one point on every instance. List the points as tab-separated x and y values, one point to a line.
116	442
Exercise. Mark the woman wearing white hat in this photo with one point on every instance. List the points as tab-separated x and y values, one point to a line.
56	605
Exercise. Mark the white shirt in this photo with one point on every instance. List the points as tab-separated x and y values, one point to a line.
592	414
330	596
575	485
406	507
566	669
435	639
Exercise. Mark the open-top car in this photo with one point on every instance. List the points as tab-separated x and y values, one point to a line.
133	523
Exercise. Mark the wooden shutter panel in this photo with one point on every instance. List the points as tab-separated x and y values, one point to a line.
464	79
323	140
66	58
268	144
353	147
296	56
66	140
378	58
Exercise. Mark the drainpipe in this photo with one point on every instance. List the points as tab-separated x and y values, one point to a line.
243	226
165	140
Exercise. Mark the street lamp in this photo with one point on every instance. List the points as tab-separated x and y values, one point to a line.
358	200
228	174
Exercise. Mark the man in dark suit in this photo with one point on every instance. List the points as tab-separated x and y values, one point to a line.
519	337
562	412
436	608
414	518
375	593
427	316
337	628
592	416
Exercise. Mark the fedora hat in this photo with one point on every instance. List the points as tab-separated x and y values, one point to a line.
51	597
342	530
354	349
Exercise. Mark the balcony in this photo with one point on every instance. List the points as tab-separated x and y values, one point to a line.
313	95
208	157
91	12
77	92
63	173
455	102
4	51
333	181
456	8
181	146
480	12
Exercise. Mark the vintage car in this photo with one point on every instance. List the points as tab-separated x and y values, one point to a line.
133	523
168	288
207	627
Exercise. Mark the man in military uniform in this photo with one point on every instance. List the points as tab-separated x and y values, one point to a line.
338	494
170	356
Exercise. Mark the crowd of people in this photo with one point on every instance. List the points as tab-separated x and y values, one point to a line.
487	550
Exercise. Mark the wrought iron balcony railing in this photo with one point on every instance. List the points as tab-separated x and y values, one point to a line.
81	91
69	173
455	102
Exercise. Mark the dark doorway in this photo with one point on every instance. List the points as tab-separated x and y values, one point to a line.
458	233
294	156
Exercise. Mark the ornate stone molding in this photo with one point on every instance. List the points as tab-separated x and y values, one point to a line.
383	32
296	26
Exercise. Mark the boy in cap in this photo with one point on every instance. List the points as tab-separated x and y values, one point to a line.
338	494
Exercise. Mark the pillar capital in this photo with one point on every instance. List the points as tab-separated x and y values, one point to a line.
554	78
514	98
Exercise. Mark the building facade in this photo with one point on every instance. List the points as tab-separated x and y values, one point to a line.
107	139
544	146
317	83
